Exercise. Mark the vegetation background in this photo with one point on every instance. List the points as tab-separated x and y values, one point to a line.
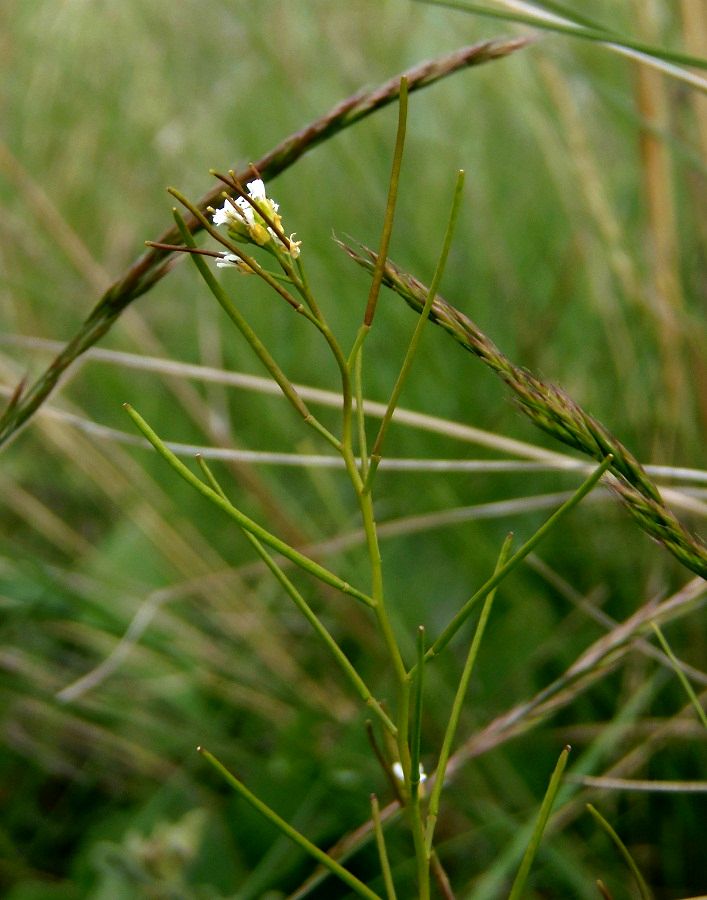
580	250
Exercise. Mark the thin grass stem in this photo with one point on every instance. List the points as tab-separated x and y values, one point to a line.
418	826
595	35
387	231
360	414
355	363
417	701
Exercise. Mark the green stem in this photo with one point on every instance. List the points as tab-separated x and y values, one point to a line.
377	594
418	827
334	867
382	851
360	413
417	333
675	663
252	338
450	732
389	206
517	557
421	859
308	295
318	318
540	823
416	730
345	664
246	523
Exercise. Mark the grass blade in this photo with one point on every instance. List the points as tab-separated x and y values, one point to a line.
417	334
675	662
594	35
644	890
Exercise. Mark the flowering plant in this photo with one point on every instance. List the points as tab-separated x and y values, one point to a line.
251	217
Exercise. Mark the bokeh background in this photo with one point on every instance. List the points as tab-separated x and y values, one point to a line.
134	622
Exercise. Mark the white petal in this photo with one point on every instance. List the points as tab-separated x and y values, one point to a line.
220	216
227	261
256	189
246	210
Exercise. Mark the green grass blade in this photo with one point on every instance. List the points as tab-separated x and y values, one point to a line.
389	206
582	33
416	727
644	890
417	333
681	675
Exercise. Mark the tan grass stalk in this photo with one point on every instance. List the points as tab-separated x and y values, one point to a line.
654	105
551	409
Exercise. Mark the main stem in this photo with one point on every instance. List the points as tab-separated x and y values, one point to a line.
402	677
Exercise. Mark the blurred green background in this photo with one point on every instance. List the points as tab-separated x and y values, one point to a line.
135	624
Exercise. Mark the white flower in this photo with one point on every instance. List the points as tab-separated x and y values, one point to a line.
227	261
256	189
229	214
398	772
294	246
231	261
245	222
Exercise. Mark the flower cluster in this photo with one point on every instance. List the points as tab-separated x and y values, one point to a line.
251	219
